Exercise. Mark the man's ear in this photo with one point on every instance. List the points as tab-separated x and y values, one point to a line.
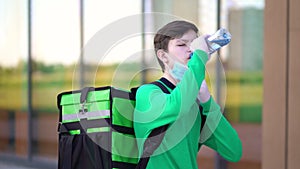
161	54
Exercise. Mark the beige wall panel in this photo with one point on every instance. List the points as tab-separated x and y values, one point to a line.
274	105
294	15
294	97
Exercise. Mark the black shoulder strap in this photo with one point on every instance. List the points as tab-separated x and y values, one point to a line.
161	86
155	137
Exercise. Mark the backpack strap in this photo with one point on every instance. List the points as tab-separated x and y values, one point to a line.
161	86
84	93
155	137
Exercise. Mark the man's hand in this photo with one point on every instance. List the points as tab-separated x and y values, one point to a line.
204	94
200	44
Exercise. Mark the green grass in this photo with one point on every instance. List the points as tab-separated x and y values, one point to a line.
243	96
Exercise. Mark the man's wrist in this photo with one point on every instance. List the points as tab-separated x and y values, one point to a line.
204	98
206	105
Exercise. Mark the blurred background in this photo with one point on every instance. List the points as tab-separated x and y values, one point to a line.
45	49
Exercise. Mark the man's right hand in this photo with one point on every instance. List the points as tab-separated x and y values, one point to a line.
200	44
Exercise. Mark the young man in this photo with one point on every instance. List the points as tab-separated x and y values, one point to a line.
182	56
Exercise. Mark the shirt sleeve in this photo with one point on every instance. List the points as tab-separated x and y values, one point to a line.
154	108
218	134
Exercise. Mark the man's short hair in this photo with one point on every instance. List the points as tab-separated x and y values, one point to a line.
170	31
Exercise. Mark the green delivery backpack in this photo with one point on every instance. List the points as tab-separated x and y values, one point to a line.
96	130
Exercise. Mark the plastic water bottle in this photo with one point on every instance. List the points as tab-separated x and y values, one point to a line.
217	40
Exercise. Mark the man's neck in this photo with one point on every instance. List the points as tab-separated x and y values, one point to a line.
170	78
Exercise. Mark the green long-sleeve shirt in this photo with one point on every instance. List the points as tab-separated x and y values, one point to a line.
180	110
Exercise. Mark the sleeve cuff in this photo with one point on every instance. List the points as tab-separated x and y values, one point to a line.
202	55
206	105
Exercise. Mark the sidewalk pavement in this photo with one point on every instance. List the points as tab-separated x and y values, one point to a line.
6	163
9	165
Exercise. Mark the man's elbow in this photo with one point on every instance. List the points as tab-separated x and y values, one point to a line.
236	157
236	153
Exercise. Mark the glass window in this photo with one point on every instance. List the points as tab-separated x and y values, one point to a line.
57	39
55	51
241	75
245	78
13	79
112	43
